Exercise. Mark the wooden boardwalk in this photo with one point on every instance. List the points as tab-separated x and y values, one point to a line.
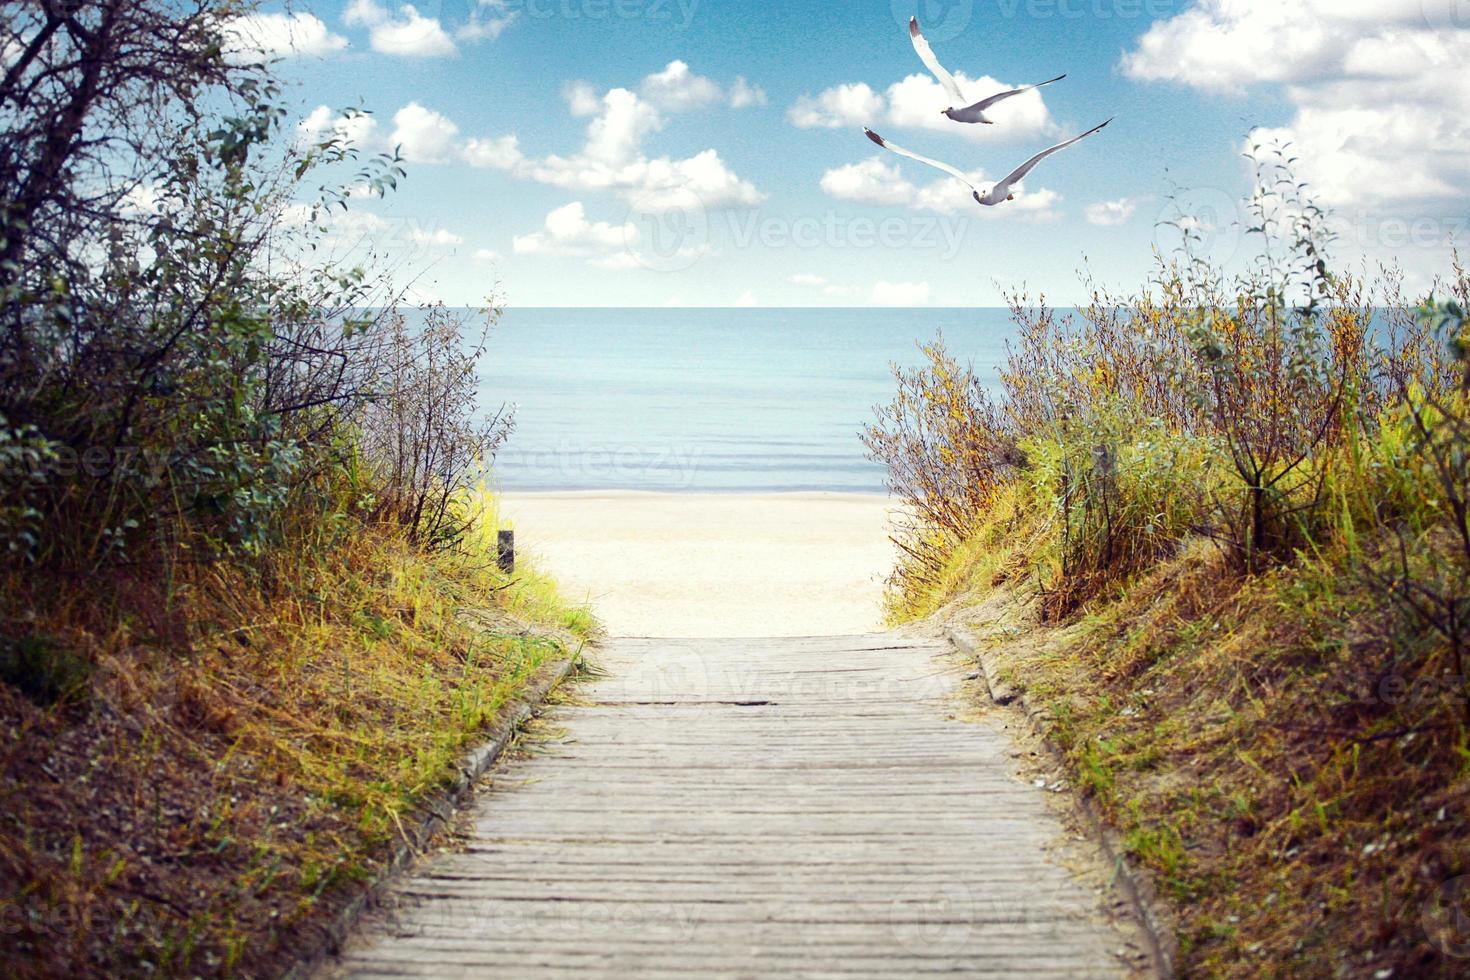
752	808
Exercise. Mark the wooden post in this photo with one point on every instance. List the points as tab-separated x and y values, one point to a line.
506	551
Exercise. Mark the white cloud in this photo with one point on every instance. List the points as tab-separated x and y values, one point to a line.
877	181
812	281
744	94
422	135
359	129
141	199
439	237
568	233
503	153
487	21
1108	213
887	293
916	103
616	132
407	34
853	104
486	255
1378	87
258	37
677	89
581	98
333	227
872	181
747	298
612	157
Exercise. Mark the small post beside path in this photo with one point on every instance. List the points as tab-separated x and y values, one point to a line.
505	552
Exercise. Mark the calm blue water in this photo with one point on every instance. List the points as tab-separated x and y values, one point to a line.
707	399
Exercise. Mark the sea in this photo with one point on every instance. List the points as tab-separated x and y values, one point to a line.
709	400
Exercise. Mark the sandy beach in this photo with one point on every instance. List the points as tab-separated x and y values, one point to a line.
716	565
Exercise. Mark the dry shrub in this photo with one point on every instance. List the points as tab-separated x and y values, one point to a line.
424	440
947	449
1205	404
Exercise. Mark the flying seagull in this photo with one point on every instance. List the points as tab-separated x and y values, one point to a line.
1001	191
971	113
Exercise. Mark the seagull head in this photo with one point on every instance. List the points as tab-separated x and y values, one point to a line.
976	196
1010	197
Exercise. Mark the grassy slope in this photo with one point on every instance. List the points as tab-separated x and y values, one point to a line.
1299	803
246	747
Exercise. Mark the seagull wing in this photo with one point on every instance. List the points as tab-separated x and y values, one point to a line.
1019	174
984	104
926	55
936	164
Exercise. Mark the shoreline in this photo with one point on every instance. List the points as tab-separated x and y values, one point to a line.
712	564
619	493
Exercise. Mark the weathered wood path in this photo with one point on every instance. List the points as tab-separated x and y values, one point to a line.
752	808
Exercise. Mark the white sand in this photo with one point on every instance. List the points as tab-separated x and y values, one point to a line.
665	564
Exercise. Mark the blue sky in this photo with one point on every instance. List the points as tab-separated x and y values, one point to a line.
710	153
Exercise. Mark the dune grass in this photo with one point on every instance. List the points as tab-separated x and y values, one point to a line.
249	743
1219	530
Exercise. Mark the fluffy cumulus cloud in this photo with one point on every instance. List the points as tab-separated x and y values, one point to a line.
488	19
612	157
676	89
877	180
358	128
1378	88
743	94
334	228
887	293
1108	213
407	31
568	233
260	37
423	136
916	102
501	153
851	104
434	237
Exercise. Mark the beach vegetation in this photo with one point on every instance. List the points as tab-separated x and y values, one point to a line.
250	613
1220	538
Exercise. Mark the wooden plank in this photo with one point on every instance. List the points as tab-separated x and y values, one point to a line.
794	807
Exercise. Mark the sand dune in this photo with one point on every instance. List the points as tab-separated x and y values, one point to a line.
663	564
